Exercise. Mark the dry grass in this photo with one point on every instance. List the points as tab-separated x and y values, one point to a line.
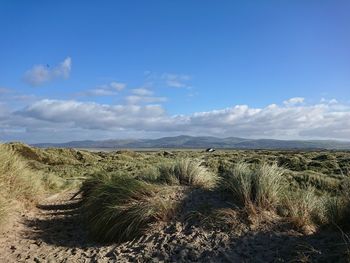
262	186
269	185
185	172
338	207
118	207
17	180
304	209
19	183
238	181
190	172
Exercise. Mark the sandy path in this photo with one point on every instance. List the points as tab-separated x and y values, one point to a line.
52	233
49	233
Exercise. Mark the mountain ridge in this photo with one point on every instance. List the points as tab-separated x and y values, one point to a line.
187	142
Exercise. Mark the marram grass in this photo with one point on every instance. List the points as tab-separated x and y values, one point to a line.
238	181
184	172
19	183
261	186
118	207
304	209
338	207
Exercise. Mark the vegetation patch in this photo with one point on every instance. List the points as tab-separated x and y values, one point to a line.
338	208
124	193
261	186
185	172
19	183
118	207
304	209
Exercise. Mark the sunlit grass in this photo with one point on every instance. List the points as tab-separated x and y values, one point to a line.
118	207
261	186
185	172
19	183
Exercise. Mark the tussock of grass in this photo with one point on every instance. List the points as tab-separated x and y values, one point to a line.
52	182
190	172
262	187
337	211
238	181
19	183
17	180
304	209
338	207
182	172
118	207
269	185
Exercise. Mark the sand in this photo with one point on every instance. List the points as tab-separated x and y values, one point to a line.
53	232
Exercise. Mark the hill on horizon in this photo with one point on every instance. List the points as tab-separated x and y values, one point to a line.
194	142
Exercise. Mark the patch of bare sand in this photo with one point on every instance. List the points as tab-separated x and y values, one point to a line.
53	232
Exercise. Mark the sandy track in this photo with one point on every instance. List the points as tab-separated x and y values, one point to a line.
53	233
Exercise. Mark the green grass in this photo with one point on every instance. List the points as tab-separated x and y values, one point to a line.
19	183
238	181
184	172
269	185
17	180
261	186
129	191
264	187
118	207
304	209
338	207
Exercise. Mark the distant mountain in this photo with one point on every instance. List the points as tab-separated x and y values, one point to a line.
204	142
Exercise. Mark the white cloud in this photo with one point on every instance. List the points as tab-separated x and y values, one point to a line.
135	99
40	74
117	86
110	89
331	101
300	121
293	101
98	92
143	95
176	80
142	92
90	115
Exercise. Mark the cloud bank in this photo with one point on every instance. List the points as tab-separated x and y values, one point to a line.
285	121
41	74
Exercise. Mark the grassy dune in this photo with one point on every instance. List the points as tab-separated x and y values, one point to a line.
20	184
120	206
126	193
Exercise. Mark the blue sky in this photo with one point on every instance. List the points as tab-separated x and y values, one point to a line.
121	69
